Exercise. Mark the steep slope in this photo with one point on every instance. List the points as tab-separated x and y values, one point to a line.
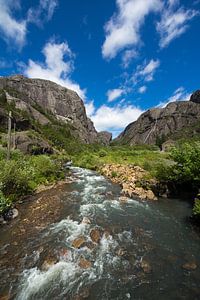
38	97
160	124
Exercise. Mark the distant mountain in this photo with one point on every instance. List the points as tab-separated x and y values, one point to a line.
37	102
179	119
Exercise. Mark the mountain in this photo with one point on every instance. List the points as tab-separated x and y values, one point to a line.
42	102
178	119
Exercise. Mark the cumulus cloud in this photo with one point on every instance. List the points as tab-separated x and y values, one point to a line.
146	71
12	29
123	29
179	94
115	119
114	94
174	22
58	66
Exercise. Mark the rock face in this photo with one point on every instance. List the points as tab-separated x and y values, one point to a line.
63	103
104	137
161	123
195	97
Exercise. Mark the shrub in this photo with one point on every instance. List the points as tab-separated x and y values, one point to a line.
14	179
102	153
186	167
4	203
196	208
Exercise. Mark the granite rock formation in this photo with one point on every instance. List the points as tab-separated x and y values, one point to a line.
160	124
32	94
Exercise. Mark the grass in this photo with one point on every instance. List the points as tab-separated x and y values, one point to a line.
143	156
21	175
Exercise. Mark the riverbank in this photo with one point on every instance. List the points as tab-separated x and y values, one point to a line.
25	175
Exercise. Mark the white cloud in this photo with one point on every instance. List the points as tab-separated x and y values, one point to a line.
179	94
122	30
58	66
142	89
128	56
10	28
43	12
90	108
115	119
174	22
14	30
114	94
145	72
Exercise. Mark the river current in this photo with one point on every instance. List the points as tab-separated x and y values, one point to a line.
146	250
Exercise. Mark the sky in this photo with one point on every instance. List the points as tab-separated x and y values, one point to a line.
121	56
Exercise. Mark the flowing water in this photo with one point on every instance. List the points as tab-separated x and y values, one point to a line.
142	249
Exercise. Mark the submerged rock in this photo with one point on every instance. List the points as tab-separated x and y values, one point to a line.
190	266
95	235
145	265
49	262
78	242
15	213
86	221
84	263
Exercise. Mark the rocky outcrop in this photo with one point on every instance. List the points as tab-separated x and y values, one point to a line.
28	143
104	138
32	95
132	179
159	124
195	97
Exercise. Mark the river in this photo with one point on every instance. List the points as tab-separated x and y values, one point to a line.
143	250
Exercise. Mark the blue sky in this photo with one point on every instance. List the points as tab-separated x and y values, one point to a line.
121	56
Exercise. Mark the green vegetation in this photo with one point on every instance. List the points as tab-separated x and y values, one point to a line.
186	169
185	172
196	208
23	174
147	157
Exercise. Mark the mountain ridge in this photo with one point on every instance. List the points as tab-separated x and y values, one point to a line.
160	124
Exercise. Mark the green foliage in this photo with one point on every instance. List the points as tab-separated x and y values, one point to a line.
196	208
4	203
102	153
160	140
93	156
114	174
14	179
187	165
21	175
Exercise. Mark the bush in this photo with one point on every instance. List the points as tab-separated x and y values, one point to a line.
4	203
102	153
196	208
186	168
14	179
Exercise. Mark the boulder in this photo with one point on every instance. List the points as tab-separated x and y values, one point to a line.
84	263
95	235
78	242
29	143
189	266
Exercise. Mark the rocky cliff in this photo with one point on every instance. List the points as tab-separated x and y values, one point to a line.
34	95
160	124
